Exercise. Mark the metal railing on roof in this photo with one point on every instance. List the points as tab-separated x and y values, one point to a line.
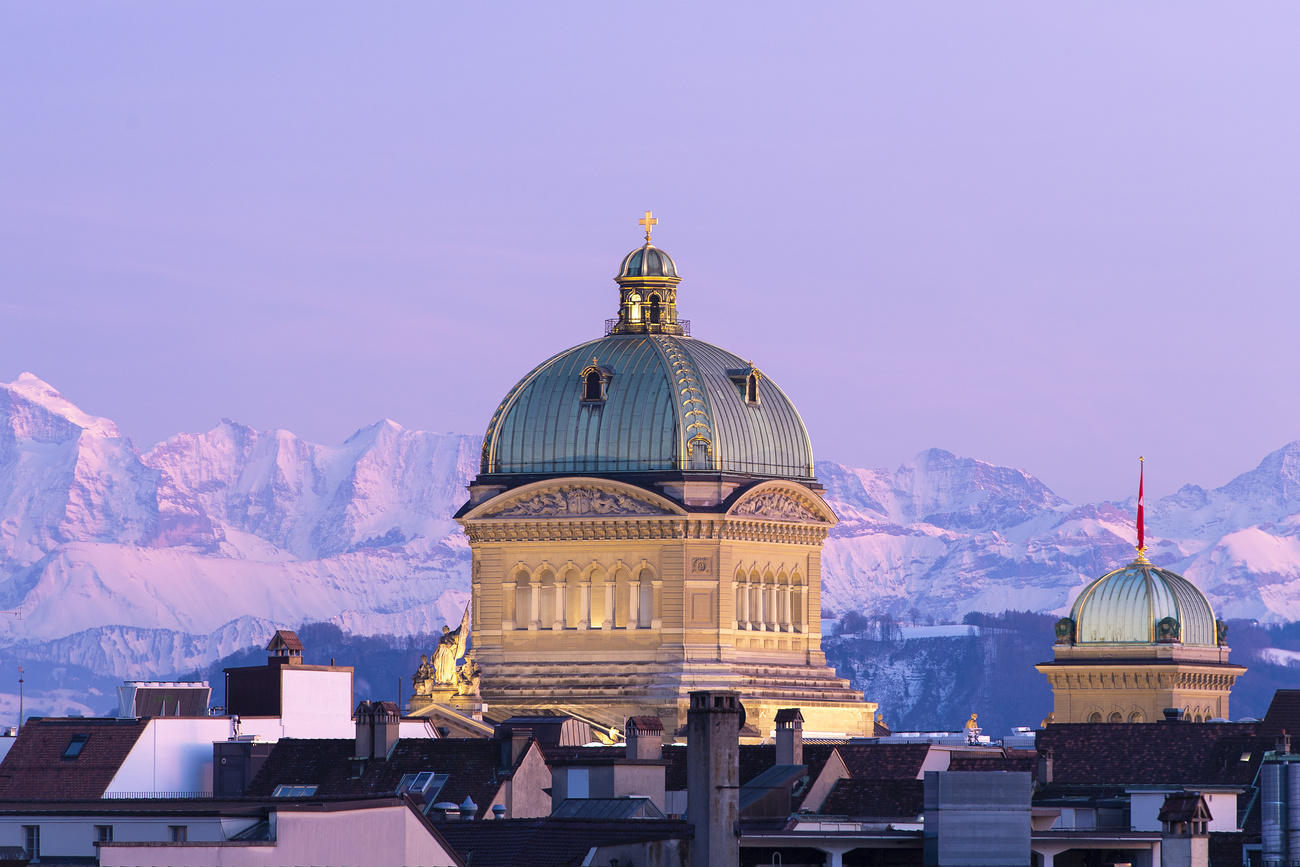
656	327
155	796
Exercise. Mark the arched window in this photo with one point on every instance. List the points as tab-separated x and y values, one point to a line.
593	387
751	388
1094	717
1136	717
656	310
1116	717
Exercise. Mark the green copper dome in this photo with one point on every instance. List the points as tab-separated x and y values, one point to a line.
647	402
1145	605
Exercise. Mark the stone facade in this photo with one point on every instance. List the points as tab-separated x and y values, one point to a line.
605	599
1135	683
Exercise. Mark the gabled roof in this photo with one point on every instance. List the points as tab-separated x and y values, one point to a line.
883	761
284	639
1185	807
473	766
549	841
757	758
875	799
1152	754
36	768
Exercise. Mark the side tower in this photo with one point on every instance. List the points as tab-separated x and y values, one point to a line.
646	524
1138	640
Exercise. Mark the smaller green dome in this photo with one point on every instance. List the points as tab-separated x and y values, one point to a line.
647	261
1143	604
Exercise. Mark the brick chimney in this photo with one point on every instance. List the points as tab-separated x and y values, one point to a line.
378	728
789	736
645	737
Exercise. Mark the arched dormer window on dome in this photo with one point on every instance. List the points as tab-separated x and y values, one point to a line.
595	382
747	379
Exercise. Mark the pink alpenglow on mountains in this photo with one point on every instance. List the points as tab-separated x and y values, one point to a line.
143	564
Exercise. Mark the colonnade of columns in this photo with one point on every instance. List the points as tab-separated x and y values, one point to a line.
546	600
770	603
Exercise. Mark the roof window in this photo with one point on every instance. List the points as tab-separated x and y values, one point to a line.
296	790
75	746
595	380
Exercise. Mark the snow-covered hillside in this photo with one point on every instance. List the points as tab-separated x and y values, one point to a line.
144	564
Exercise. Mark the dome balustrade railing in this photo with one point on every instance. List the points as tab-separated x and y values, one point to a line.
654	327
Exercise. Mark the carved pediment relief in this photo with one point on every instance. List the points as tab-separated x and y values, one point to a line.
782	504
574	501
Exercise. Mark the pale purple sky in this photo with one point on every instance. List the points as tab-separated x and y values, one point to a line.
1049	235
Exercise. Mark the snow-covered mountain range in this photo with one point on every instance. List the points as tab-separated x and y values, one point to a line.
146	563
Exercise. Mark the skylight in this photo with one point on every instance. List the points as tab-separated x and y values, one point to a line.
75	746
293	791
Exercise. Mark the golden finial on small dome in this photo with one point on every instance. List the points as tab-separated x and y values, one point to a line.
648	222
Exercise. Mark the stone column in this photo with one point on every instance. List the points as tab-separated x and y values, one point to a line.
584	604
561	601
785	609
769	608
656	603
633	604
535	604
611	584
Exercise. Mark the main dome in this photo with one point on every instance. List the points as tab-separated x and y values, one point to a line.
664	403
1134	605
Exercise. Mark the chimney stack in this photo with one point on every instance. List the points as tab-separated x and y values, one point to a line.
645	737
713	722
378	728
789	736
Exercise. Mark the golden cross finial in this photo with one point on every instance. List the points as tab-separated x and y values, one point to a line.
649	222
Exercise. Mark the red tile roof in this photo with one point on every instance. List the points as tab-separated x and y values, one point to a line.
35	767
883	761
1006	760
875	799
1127	754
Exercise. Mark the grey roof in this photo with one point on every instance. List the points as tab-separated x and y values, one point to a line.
672	403
647	261
1124	606
635	807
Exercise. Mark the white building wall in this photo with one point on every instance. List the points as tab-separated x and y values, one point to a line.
1223	807
382	837
316	704
1144	810
74	836
173	754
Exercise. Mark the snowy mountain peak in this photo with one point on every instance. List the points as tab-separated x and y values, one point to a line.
39	393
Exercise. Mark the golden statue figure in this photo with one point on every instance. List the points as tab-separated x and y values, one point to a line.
451	647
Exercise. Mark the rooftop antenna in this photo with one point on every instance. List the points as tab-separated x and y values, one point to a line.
20	696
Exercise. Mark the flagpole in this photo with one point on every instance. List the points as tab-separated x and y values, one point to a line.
1141	517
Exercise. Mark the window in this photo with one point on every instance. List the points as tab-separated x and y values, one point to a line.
178	833
75	746
1094	717
591	386
655	310
296	790
32	840
1116	717
103	833
751	388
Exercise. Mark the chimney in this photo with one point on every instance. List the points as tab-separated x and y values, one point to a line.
284	648
378	728
1173	715
1044	767
365	731
519	738
1284	743
713	722
789	736
645	737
